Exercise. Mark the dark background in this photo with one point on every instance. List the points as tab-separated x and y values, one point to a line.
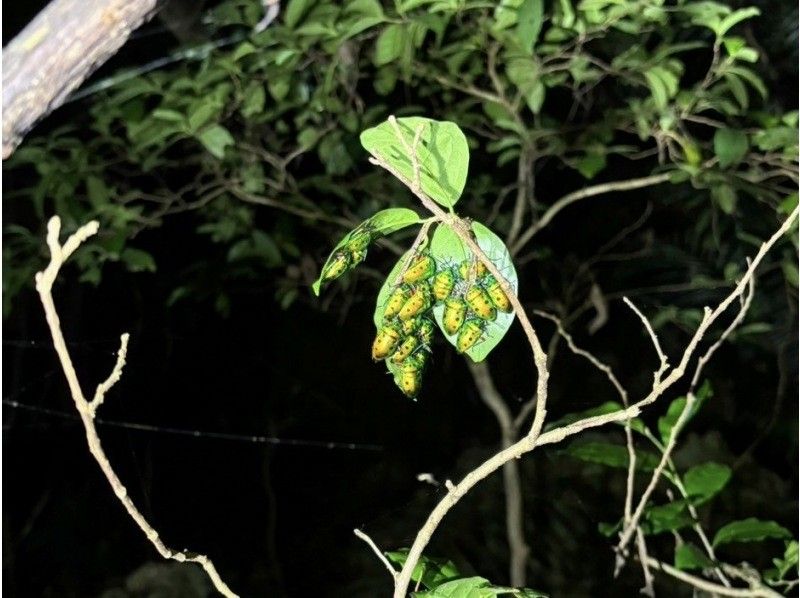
277	518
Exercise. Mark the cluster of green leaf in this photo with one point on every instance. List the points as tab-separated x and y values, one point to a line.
272	122
694	487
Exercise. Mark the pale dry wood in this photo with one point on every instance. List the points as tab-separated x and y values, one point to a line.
87	409
56	52
713	588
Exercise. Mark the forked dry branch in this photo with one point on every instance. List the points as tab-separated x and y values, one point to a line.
88	408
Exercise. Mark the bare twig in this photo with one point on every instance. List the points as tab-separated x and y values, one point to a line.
44	285
571	198
664	363
713	588
745	297
377	552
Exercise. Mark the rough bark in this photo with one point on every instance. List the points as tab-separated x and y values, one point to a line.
56	52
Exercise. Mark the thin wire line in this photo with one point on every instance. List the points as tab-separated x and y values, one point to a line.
255	439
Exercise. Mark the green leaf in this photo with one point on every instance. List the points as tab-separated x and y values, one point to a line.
447	249
610	455
255	99
725	197
790	272
749	530
383	222
703	482
735	17
137	260
97	191
530	16
666	423
784	565
730	146
295	11
167	115
591	164
689	556
390	44
664	518
442	152
200	113
216	139
428	571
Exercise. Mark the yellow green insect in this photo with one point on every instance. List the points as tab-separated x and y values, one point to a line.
417	303
405	349
396	300
480	303
337	265
409	378
497	295
455	311
466	268
386	341
410	326
356	257
425	332
422	267
470	334
443	284
359	241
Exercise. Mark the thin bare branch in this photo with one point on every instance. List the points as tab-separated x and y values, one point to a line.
709	586
745	297
377	552
664	363
575	196
44	285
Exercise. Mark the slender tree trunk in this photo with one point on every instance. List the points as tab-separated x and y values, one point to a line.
56	52
512	483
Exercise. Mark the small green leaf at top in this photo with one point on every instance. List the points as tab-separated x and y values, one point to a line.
381	223
442	153
783	565
448	250
750	530
665	518
703	482
668	421
688	557
430	572
730	146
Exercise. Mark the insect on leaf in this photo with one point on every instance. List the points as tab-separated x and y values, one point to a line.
381	223
448	250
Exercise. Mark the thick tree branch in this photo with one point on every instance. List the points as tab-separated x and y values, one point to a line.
87	409
56	52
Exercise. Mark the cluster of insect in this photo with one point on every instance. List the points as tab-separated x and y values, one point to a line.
469	295
351	253
471	299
